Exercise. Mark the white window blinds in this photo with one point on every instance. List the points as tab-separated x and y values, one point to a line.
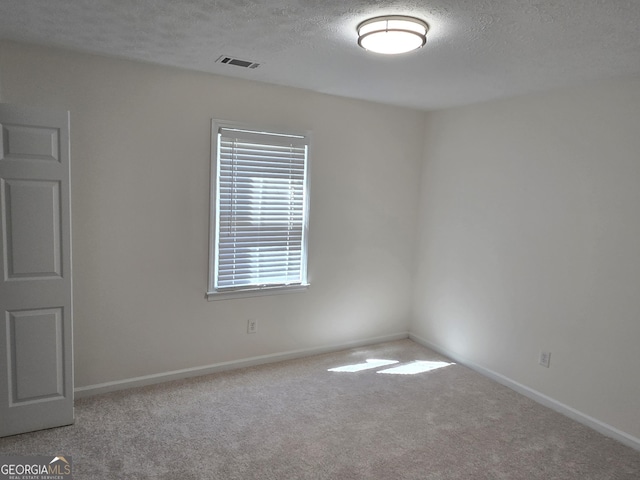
261	209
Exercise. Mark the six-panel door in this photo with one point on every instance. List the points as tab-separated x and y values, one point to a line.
36	355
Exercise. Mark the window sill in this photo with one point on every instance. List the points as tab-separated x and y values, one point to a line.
256	292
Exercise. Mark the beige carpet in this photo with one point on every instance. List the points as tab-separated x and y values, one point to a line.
297	420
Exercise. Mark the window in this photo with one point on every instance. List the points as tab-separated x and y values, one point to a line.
259	210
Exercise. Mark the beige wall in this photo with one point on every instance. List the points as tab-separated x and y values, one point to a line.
530	240
140	146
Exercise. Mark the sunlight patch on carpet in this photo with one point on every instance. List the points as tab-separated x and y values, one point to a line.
413	368
368	365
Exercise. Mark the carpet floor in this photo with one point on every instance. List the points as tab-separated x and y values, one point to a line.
299	420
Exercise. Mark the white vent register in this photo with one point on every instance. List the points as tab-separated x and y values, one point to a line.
225	59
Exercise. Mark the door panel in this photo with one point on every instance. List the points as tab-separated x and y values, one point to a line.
31	143
32	249
36	354
35	366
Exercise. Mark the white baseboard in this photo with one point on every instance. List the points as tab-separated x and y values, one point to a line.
541	398
90	390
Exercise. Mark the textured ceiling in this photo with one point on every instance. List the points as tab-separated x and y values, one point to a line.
476	50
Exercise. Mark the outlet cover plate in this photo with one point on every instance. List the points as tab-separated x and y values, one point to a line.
545	359
252	325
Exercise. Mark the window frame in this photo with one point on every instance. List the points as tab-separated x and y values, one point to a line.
214	293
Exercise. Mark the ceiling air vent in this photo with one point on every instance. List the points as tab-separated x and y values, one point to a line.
237	62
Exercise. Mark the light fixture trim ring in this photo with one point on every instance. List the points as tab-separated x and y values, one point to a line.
384	28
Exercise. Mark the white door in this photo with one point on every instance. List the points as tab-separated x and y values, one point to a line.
36	356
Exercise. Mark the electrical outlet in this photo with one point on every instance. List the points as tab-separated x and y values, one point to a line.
545	359
252	325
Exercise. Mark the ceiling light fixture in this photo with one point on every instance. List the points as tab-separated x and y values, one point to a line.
392	34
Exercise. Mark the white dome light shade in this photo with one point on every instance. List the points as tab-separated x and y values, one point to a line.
392	34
